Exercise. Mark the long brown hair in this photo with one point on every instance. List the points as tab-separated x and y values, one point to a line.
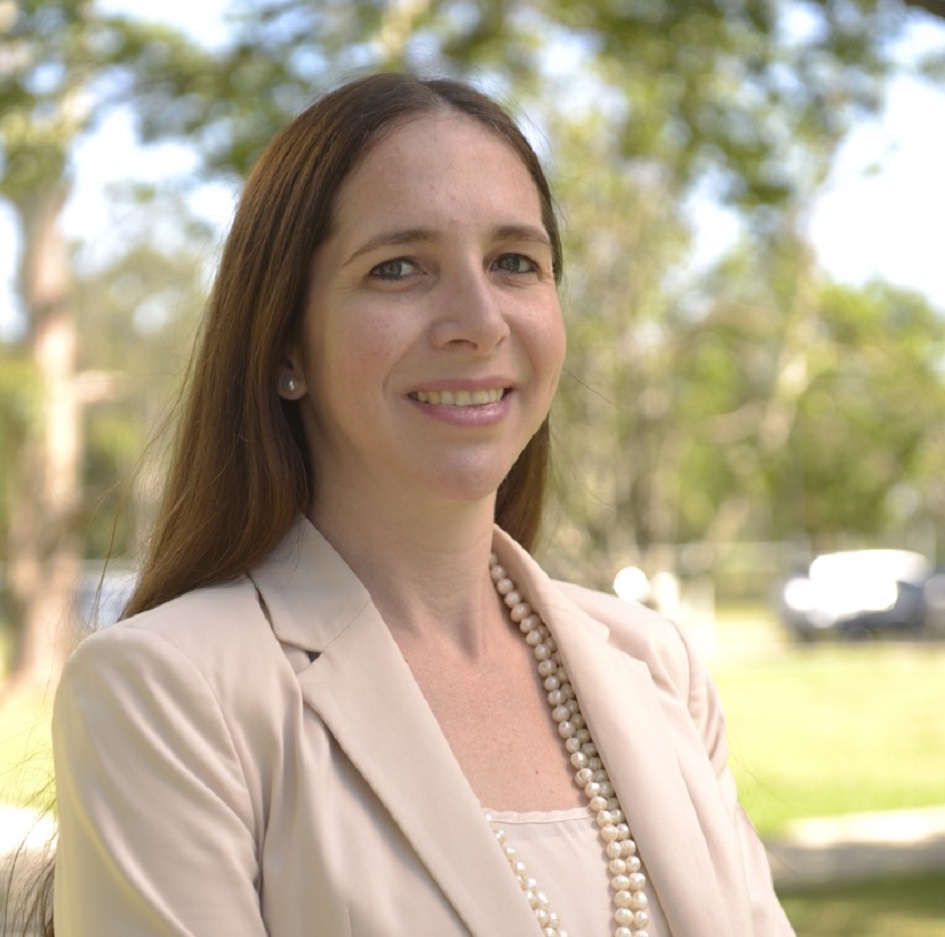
239	473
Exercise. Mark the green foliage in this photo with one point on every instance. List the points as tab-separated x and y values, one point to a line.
872	417
755	402
753	91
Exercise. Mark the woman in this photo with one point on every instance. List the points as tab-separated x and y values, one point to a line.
330	711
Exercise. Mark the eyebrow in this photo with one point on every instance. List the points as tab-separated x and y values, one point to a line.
392	238
403	236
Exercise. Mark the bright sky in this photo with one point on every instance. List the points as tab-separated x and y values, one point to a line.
881	215
884	212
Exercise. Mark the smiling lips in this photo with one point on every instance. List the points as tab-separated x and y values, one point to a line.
459	398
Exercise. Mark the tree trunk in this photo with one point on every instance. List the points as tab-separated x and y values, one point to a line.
44	540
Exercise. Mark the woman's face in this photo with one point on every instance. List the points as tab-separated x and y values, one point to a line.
433	337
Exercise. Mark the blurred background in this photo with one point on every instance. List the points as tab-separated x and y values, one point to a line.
750	431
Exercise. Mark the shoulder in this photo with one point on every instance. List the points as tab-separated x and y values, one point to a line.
630	627
674	666
213	644
634	628
661	645
203	625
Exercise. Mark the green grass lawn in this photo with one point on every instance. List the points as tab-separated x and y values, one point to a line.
912	907
25	751
833	728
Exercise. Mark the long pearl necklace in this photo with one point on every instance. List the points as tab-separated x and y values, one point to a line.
627	879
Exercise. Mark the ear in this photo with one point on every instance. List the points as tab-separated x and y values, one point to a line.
292	385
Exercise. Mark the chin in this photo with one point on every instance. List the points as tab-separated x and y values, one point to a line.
465	483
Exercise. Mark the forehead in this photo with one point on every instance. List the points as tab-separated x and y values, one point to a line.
444	161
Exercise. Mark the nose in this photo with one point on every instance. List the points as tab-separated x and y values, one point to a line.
470	313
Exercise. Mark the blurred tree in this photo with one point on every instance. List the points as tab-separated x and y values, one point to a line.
638	106
872	421
815	413
52	54
137	311
37	124
738	91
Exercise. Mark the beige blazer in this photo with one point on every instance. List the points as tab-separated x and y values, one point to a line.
215	780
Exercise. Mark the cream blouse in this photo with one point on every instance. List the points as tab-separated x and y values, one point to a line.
562	852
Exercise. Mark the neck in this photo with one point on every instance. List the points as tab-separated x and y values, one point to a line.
425	567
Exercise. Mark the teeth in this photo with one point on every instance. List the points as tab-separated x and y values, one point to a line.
459	398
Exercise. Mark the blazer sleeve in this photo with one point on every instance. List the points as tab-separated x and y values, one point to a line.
156	823
705	707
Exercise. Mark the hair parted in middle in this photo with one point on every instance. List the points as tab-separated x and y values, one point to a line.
240	472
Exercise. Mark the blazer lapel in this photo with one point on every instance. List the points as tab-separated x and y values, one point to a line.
621	704
362	688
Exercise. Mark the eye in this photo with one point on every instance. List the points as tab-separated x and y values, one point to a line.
395	269
515	263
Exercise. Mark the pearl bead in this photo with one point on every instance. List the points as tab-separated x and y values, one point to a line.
604	818
628	881
560	714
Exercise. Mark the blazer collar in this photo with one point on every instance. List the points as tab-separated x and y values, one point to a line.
362	688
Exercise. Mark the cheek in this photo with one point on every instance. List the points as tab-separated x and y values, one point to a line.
550	346
349	349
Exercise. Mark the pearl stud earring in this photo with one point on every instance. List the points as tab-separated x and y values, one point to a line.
289	384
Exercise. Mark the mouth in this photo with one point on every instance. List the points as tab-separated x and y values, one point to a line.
459	398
